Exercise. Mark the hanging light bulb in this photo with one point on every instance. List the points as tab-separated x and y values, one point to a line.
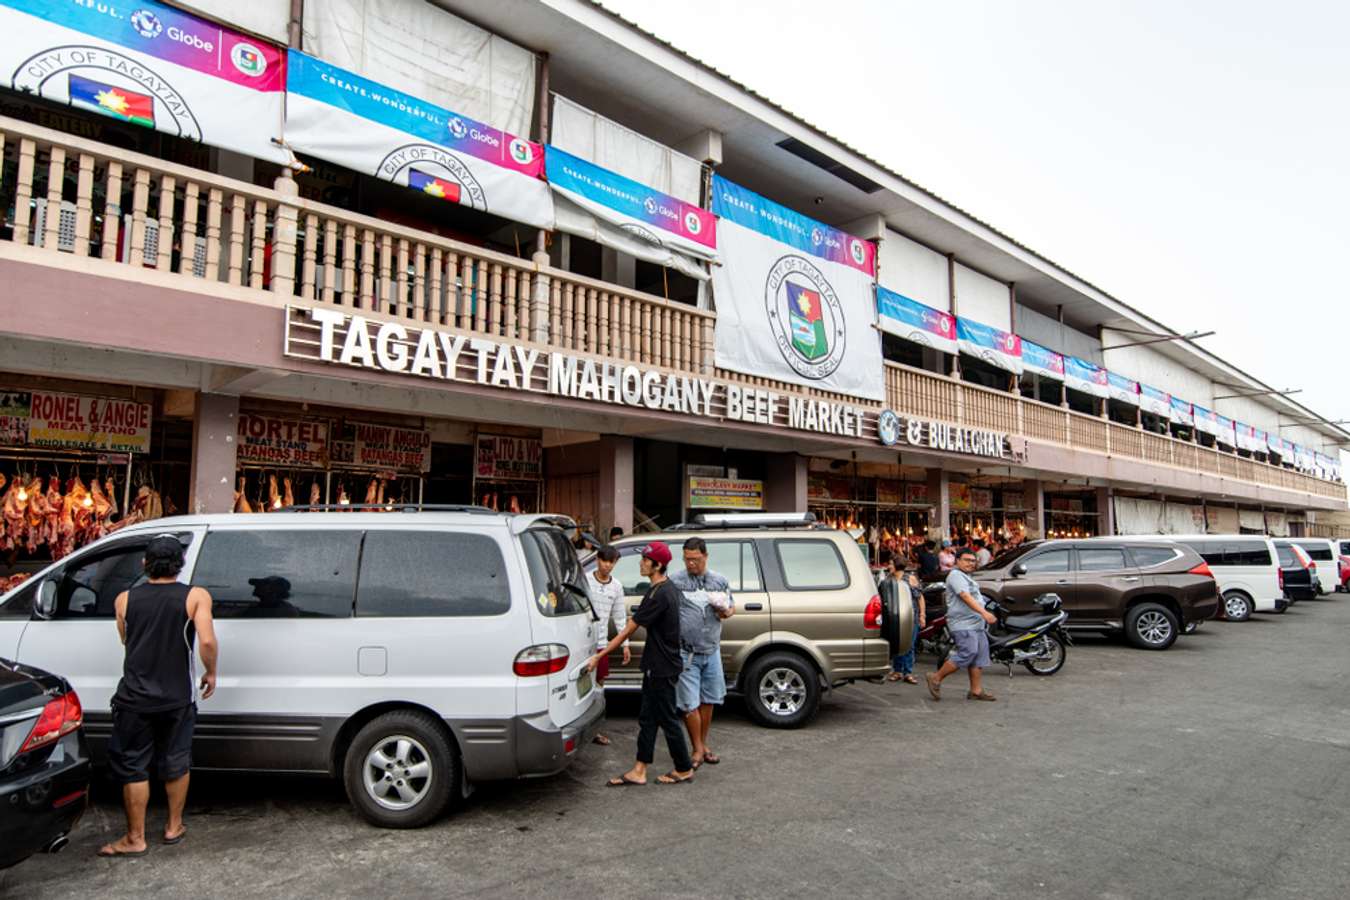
276	504
23	494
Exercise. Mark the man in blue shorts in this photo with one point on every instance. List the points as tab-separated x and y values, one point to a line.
966	620
706	601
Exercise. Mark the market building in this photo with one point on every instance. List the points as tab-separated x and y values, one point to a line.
251	260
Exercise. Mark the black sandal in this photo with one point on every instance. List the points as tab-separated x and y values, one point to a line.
672	778
624	781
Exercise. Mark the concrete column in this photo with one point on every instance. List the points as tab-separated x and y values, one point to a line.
618	268
1033	498
1106	512
214	453
785	483
940	525
615	506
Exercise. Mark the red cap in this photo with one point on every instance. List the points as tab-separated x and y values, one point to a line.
657	552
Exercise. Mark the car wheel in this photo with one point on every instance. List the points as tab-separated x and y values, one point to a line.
400	770
1050	656
782	690
1237	606
1151	626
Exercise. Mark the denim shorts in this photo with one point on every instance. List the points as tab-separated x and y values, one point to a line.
701	681
971	650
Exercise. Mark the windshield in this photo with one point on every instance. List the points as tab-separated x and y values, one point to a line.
1008	557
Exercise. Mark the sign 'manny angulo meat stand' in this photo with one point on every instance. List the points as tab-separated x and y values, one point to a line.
340	338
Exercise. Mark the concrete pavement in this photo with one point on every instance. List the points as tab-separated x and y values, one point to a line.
1220	768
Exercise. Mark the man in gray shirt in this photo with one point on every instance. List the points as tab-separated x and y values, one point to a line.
705	602
966	620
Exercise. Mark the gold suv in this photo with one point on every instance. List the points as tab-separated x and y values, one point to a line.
808	617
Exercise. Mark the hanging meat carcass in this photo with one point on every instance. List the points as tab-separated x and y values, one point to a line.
372	490
315	493
51	533
81	504
110	490
379	493
273	495
15	513
343	499
241	504
145	506
37	515
287	495
102	509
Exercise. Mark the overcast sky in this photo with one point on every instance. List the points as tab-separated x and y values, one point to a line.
1188	158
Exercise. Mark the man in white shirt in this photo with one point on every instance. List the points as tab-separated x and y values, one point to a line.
982	554
607	598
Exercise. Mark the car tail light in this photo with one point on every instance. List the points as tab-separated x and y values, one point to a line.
541	659
1280	572
61	716
1312	566
872	617
1202	569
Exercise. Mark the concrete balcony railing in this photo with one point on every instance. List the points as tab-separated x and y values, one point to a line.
76	197
96	201
928	395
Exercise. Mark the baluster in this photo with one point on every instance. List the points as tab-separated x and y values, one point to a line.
236	270
592	317
367	297
605	348
384	299
166	229
309	256
56	182
555	291
23	196
525	300
258	260
666	316
480	295
510	302
567	291
84	203
112	212
330	238
215	203
140	199
349	269
495	299
400	303
647	334
451	313
436	295
187	260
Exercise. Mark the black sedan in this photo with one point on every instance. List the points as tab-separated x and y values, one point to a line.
44	762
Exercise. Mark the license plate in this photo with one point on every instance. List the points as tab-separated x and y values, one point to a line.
583	684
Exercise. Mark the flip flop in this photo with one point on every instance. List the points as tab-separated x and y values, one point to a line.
177	839
711	759
696	765
106	853
672	778
624	781
895	676
910	679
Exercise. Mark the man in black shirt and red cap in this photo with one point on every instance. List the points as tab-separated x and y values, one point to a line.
155	708
659	613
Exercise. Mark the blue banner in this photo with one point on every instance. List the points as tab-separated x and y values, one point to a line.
1182	413
748	209
992	345
1126	390
1041	361
1082	375
1155	401
913	321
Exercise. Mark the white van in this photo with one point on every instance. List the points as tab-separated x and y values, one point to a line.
1246	569
445	648
1324	552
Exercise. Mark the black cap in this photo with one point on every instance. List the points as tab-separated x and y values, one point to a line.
164	547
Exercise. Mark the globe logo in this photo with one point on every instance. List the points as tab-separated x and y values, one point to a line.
146	23
458	129
650	206
816	237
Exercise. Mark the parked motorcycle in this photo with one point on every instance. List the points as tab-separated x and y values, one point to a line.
1038	641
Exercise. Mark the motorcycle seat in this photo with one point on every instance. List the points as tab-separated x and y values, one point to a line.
1026	623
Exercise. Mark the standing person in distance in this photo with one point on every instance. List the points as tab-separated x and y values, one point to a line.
607	599
903	586
947	558
966	620
982	554
930	566
659	613
154	709
706	600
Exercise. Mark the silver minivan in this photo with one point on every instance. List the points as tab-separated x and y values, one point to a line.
409	653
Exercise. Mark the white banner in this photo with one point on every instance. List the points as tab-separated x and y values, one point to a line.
150	65
794	297
344	118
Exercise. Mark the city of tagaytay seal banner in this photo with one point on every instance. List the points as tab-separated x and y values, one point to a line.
794	297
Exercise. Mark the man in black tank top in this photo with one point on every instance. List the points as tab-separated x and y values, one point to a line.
154	709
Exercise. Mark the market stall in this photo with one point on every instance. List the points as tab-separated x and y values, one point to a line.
508	472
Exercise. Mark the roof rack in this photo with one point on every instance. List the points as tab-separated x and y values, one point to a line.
704	521
388	507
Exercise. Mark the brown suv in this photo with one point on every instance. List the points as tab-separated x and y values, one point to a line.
1151	591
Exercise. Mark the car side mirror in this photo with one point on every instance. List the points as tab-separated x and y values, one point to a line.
1019	570
46	605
